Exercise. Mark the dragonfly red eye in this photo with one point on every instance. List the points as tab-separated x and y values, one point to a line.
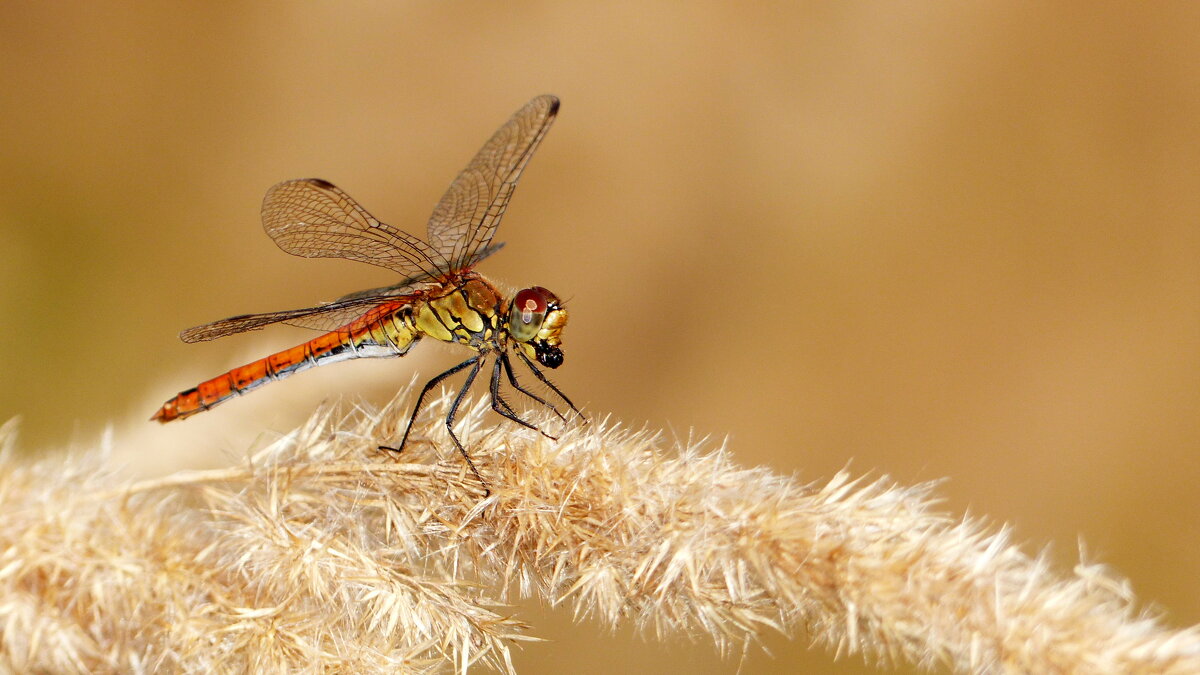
527	313
530	302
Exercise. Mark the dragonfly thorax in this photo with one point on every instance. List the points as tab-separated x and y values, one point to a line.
467	312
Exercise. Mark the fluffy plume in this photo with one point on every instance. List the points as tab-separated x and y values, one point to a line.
324	553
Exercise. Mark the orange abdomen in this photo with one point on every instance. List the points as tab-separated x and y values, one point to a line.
387	336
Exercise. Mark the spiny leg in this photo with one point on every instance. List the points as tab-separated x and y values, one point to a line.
512	379
421	399
462	393
498	401
501	406
546	381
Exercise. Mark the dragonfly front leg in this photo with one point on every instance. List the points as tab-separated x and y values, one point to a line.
512	379
546	381
501	406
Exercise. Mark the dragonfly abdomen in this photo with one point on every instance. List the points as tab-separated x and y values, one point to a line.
390	335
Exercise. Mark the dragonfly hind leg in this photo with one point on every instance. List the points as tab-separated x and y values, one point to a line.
462	393
473	361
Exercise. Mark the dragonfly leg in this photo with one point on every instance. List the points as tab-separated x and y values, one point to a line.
476	363
501	406
512	379
546	381
421	399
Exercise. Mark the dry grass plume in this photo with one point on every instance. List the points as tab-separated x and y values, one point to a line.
322	553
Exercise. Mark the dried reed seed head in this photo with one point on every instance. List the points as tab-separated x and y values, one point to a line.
323	552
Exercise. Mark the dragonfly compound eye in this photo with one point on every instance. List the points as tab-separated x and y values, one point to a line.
527	313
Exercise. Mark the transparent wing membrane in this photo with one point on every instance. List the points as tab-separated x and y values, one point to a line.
313	218
328	316
466	218
409	285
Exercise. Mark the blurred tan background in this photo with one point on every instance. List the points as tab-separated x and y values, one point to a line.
954	242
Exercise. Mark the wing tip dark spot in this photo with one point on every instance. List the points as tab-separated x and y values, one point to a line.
554	103
321	183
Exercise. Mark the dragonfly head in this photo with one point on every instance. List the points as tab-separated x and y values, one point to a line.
536	318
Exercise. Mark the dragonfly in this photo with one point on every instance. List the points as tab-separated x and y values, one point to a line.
440	296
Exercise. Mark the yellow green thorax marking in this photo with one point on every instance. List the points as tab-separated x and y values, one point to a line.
469	314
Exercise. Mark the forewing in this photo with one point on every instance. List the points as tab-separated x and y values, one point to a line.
465	219
411	284
312	218
328	316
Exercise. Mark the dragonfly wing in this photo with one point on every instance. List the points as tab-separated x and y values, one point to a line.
465	219
337	317
411	284
312	218
328	316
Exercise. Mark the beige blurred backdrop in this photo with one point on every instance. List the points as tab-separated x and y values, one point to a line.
939	241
